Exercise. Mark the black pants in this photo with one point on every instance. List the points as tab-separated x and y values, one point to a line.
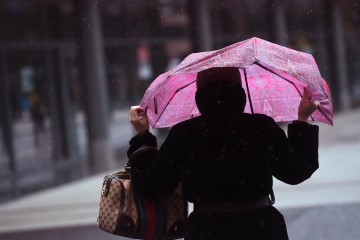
263	223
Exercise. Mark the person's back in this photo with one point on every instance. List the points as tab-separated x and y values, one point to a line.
221	155
225	160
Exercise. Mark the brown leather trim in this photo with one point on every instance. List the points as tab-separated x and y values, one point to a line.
125	226
142	149
121	174
122	197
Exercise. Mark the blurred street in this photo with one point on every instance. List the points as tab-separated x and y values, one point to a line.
325	207
28	154
70	69
39	160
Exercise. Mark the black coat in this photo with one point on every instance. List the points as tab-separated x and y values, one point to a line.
228	158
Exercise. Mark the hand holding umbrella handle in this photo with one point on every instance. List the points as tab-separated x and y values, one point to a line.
139	119
306	108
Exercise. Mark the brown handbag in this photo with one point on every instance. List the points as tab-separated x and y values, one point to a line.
125	212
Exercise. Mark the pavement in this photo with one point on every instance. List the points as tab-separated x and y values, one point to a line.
327	206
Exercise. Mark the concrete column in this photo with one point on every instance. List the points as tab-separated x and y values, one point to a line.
201	25
55	90
5	113
62	118
56	142
204	20
6	127
340	56
68	118
339	82
323	55
95	84
280	32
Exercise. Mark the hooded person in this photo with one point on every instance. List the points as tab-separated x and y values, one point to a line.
225	160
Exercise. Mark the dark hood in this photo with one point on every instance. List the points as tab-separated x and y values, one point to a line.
220	98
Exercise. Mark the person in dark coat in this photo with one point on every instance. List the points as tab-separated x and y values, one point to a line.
225	160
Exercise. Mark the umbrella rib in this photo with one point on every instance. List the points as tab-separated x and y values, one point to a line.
167	104
267	69
324	114
248	91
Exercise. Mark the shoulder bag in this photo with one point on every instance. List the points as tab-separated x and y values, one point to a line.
125	212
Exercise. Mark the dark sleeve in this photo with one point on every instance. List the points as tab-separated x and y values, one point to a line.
152	171
296	156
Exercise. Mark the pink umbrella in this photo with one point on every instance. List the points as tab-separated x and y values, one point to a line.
273	76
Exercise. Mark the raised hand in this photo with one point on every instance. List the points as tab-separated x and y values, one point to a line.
139	119
306	108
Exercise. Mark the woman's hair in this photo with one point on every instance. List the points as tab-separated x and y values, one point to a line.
219	91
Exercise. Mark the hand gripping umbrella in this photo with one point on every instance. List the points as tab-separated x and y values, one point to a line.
273	76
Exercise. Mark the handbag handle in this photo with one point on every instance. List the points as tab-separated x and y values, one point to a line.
144	148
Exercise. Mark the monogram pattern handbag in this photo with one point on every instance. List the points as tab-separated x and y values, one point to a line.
125	212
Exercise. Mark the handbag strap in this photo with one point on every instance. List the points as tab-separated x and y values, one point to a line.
142	149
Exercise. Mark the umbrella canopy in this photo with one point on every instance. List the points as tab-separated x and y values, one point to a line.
273	76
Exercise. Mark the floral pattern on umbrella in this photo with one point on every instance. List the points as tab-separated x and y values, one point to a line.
273	77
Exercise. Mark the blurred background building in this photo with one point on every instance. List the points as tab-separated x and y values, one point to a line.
68	67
